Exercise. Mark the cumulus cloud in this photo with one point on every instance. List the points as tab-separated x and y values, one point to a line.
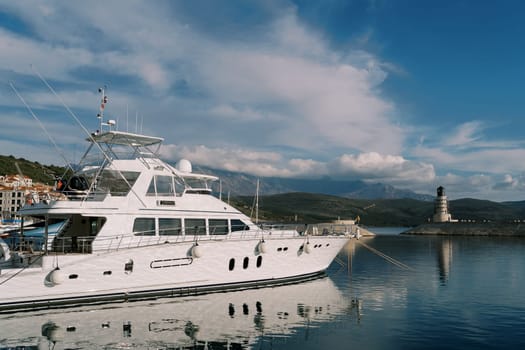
366	166
373	165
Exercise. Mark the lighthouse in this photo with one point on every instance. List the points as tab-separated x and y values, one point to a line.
441	213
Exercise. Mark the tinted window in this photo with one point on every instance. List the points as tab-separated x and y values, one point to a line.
195	226
161	186
238	225
144	227
218	226
117	183
164	185
168	226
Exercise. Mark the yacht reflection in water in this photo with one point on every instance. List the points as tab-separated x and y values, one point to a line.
232	320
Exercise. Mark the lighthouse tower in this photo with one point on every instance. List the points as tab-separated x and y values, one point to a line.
441	213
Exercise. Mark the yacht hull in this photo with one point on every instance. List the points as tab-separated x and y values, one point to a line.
165	270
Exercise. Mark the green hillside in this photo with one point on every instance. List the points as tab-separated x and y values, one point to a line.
36	171
310	207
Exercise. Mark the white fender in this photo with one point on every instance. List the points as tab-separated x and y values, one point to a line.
55	277
196	251
261	247
5	252
307	248
53	332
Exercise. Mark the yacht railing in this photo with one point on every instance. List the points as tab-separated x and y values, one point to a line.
88	244
146	238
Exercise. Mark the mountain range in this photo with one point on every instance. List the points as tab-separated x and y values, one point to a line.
308	200
239	184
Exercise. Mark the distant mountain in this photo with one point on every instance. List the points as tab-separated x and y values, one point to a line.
240	184
290	200
310	208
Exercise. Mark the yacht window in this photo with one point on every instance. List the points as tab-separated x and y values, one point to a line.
151	188
218	226
161	186
168	226
238	225
195	226
197	183
144	227
113	182
164	185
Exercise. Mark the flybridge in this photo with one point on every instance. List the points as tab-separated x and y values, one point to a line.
125	139
115	143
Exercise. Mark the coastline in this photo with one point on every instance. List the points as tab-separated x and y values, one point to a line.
469	229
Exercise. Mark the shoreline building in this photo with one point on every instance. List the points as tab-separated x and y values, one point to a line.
14	192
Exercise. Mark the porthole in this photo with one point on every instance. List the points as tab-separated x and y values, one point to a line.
279	249
231	266
107	273
245	262
285	248
259	261
327	244
73	276
128	266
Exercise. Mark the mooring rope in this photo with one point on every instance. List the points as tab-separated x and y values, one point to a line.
386	257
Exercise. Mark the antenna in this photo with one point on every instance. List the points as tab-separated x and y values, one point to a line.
68	164
103	101
257	203
90	136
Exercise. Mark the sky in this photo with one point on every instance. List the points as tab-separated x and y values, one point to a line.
414	94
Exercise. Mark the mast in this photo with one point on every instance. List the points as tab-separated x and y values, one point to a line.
257	203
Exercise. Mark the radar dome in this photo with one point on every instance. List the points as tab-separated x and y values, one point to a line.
184	166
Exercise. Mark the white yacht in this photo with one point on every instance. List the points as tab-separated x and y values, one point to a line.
137	227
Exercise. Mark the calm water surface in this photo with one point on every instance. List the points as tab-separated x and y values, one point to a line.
459	293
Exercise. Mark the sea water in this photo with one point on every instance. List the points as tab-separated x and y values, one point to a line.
425	292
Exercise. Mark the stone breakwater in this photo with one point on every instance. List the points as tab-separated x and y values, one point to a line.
469	229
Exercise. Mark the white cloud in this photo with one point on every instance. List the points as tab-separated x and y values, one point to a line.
377	166
367	166
282	87
465	134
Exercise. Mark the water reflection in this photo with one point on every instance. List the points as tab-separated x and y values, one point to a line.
231	320
444	253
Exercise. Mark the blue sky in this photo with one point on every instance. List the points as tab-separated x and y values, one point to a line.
415	94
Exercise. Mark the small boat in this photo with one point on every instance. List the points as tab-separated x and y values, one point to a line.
136	227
